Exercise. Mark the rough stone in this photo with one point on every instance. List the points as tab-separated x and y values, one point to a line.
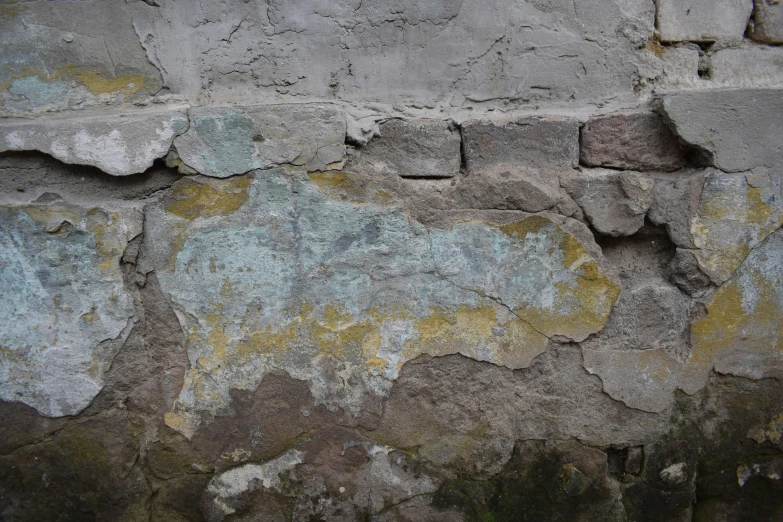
323	318
640	354
452	54
510	187
745	140
527	142
466	424
702	20
413	149
687	275
746	66
615	203
675	204
64	301
335	474
767	22
225	141
118	145
632	141
545	480
736	212
24	177
740	335
57	57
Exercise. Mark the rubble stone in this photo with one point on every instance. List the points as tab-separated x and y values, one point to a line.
631	141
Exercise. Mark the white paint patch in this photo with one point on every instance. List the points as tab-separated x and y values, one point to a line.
251	477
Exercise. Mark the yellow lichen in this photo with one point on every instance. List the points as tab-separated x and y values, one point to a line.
191	199
729	326
351	188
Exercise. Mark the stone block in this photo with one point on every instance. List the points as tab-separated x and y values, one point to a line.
527	142
739	128
615	203
634	141
225	141
747	66
702	20
767	22
118	145
414	149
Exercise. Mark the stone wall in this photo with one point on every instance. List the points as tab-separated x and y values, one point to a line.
391	260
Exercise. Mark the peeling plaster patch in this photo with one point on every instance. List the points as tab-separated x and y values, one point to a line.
337	292
231	484
737	211
742	333
63	300
225	141
642	379
120	146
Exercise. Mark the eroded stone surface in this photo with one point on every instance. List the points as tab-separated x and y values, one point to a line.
736	213
67	55
615	203
767	22
742	331
64	302
322	288
414	149
633	141
527	142
744	140
118	145
225	141
702	20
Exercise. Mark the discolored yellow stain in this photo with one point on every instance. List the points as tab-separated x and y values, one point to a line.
350	188
582	308
729	326
191	199
110	242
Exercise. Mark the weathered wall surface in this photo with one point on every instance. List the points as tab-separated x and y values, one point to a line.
391	260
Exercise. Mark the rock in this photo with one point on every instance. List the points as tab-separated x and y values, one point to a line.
225	141
573	481
118	145
545	480
736	212
633	461
746	140
413	149
633	141
643	379
767	22
321	313
227	492
492	55
27	176
419	509
702	20
746	66
685	272
65	309
744	322
615	203
528	142
675	204
647	315
511	187
86	470
334	474
465	425
675	475
85	56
